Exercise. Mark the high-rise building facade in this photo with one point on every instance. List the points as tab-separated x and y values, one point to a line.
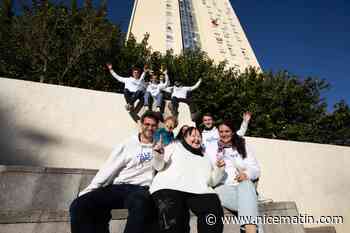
211	25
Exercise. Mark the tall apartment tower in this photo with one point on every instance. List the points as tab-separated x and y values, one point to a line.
211	25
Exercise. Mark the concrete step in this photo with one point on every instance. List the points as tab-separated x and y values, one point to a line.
36	199
328	229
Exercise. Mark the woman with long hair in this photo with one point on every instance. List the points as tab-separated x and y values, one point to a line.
237	191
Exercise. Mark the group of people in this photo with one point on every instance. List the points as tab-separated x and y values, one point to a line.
159	178
136	88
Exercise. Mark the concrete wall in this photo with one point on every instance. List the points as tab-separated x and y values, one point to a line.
47	125
315	176
55	126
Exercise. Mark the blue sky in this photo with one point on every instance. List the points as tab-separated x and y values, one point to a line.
305	37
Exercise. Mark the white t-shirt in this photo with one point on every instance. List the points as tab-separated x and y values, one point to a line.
131	83
155	88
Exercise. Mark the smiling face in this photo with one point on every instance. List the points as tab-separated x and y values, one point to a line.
148	128
208	121
225	134
136	73
194	139
154	79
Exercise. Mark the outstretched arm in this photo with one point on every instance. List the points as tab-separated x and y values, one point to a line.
168	89
244	126
109	170
114	74
195	86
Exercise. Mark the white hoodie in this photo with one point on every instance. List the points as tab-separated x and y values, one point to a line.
234	162
180	169
181	92
130	163
212	135
131	83
155	88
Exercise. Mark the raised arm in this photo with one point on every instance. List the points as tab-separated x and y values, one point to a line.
145	70
244	126
166	83
161	156
108	171
195	86
114	74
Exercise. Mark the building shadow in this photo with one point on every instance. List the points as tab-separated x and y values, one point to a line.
17	143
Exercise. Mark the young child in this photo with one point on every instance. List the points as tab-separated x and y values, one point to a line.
166	133
154	90
134	85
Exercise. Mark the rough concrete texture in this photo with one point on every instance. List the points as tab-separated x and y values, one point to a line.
55	126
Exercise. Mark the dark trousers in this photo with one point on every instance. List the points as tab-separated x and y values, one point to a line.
91	212
173	208
175	104
131	97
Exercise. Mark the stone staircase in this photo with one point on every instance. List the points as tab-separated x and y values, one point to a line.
37	199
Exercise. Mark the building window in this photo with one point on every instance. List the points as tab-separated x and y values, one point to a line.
169	37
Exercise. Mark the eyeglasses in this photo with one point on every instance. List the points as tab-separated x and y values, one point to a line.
150	125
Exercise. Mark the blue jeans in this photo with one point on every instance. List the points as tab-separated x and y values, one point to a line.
241	198
158	99
91	212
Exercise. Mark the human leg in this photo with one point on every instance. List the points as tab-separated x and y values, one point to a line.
159	99
241	198
146	99
138	95
90	213
174	105
171	210
128	96
248	205
140	208
207	208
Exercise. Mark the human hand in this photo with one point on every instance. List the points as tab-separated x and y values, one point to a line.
247	116
159	146
146	68
241	176
109	66
220	163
